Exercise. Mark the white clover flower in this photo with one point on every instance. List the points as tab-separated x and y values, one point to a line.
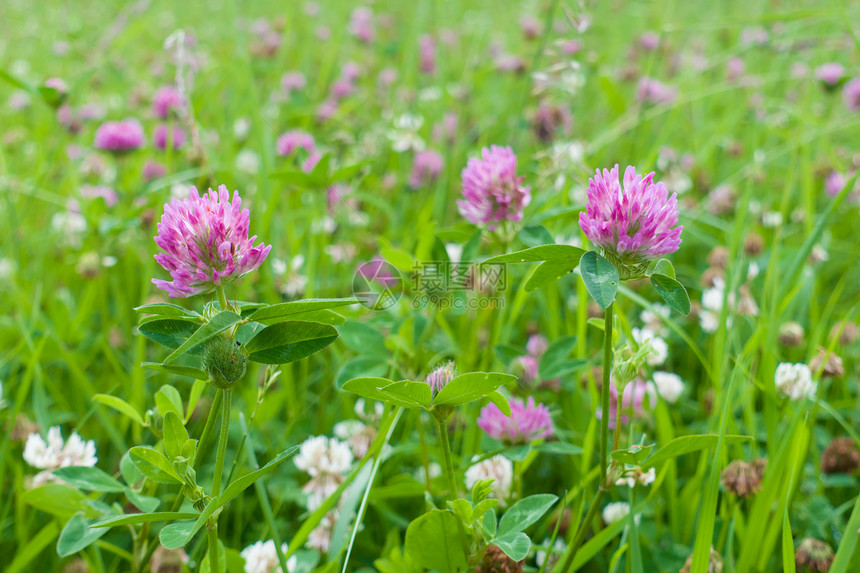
369	417
454	251
753	271
712	306
324	225
771	219
294	282
7	269
241	127
262	557
615	511
404	136
433	468
55	454
794	381
669	386
71	225
498	468
357	435
320	537
557	549
248	161
637	476
659	348
653	320
326	460
341	253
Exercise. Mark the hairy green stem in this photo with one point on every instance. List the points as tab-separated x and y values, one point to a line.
446	454
222	297
222	441
212	536
208	429
214	566
604	391
205	438
570	553
452	482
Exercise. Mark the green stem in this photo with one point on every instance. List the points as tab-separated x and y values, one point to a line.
222	442
604	391
222	297
205	439
206	434
449	463
212	536
570	553
452	483
214	565
617	439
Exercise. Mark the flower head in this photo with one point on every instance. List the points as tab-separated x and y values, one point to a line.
362	26
161	135
794	381
492	192
615	511
441	376
326	460
830	73
119	136
743	478
527	422
166	99
815	554
293	81
261	557
55	453
426	167
632	400
498	468
669	386
851	94
840	456
632	224
206	243
297	139
654	91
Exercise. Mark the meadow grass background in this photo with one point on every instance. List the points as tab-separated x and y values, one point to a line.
67	334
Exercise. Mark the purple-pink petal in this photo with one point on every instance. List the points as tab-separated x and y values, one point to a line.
527	422
635	222
205	242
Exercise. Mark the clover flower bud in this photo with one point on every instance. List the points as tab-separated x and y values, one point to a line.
224	360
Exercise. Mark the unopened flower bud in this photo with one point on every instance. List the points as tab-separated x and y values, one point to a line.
828	363
715	563
791	334
628	362
154	420
753	244
741	478
224	360
441	376
846	331
814	554
495	561
840	457
718	257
